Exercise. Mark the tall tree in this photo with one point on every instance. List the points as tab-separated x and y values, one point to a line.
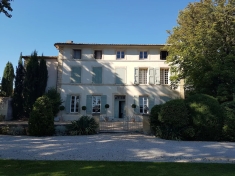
7	80
17	99
202	47
31	82
5	6
35	81
43	76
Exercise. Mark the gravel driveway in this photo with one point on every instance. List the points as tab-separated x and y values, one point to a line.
114	147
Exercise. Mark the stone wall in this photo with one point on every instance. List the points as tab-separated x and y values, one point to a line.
6	107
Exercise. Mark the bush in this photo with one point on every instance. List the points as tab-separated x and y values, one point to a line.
41	121
229	121
61	130
174	121
55	100
206	117
18	130
85	125
154	122
5	130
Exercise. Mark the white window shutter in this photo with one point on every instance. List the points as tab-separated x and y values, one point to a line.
157	75
136	75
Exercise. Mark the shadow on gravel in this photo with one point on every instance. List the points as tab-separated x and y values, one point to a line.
114	147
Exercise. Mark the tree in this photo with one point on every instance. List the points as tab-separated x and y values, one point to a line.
201	48
35	81
17	99
55	100
7	80
30	92
43	76
5	6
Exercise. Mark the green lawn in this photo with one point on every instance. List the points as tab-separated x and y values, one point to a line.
96	168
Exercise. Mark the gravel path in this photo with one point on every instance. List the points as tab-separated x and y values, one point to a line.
114	147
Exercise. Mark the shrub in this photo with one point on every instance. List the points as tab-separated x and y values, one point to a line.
206	116
5	130
154	122
61	130
55	100
229	121
18	130
41	121
85	125
174	120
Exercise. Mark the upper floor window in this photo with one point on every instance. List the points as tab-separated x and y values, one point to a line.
120	54
97	75
143	54
163	55
98	54
74	104
77	54
96	104
143	104
164	78
143	75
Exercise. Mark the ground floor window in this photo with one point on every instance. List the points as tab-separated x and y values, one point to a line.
143	103
74	104
96	104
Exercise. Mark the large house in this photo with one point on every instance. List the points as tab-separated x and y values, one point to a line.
119	75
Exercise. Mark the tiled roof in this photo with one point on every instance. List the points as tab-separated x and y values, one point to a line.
99	44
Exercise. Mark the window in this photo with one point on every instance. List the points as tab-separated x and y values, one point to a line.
143	54
120	54
164	76
74	104
97	75
163	55
77	54
75	75
96	104
143	103
143	76
120	76
98	54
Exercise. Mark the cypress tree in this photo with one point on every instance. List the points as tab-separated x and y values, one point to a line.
43	76
7	80
31	82
17	99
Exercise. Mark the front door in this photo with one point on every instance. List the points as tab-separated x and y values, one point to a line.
119	106
121	109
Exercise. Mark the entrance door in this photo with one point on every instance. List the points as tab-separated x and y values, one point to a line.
121	109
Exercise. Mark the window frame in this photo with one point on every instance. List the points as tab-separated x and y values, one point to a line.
142	55
120	54
161	57
80	55
144	77
75	109
95	54
96	103
144	103
163	76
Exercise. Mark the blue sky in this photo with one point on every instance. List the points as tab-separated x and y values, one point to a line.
37	25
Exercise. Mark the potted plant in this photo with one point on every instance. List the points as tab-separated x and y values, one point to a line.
61	108
133	106
106	107
84	108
